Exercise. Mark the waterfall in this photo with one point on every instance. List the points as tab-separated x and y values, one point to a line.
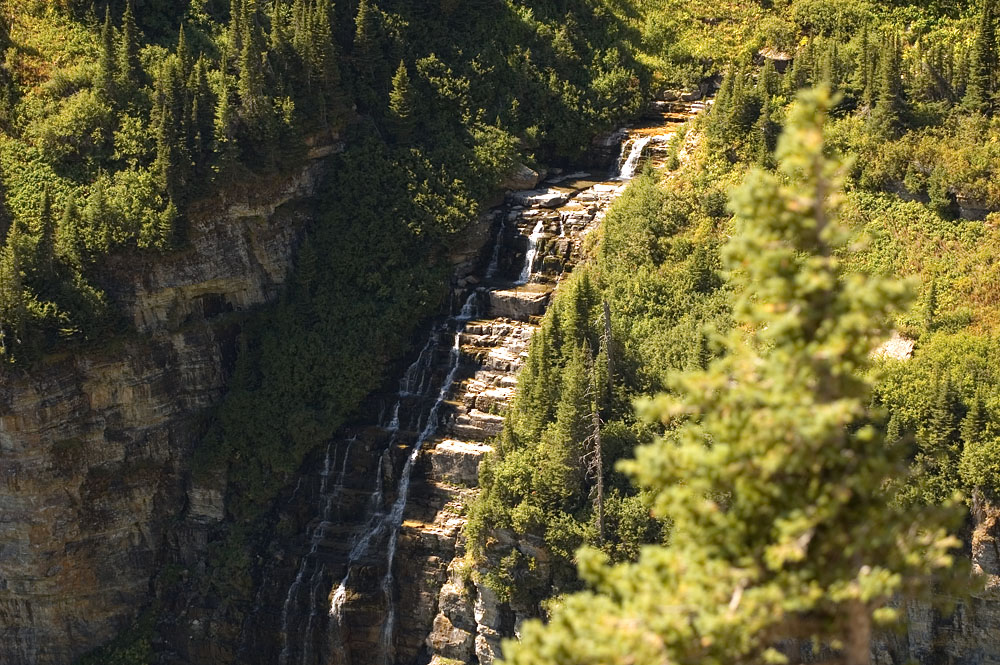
529	258
349	550
392	521
628	169
470	308
315	537
416	374
491	271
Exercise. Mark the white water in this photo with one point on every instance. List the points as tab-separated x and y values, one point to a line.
529	258
316	537
491	271
470	308
393	520
627	171
384	522
393	425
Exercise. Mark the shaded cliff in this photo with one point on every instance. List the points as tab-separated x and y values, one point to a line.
97	445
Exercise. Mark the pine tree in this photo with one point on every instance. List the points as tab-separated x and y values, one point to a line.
974	424
983	62
13	307
224	125
97	217
46	252
887	117
70	240
939	445
166	226
367	55
184	55
773	476
202	111
765	136
769	81
251	85
129	66
106	59
173	161
401	105
323	56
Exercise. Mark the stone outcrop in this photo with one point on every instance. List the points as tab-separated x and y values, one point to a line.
95	446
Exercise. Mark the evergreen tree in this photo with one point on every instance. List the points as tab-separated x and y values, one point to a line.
46	252
184	56
106	59
401	104
773	478
765	136
367	54
323	56
224	124
202	112
70	240
166	227
974	424
890	107
769	81
251	85
983	62
939	445
13	307
97	217
129	66
559	477
173	161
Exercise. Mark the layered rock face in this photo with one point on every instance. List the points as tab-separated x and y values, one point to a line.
95	446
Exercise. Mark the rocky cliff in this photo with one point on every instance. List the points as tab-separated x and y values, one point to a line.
95	445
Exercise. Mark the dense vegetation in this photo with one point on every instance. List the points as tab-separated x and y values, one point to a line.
112	126
773	475
118	123
915	88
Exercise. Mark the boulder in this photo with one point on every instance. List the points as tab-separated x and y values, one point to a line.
521	177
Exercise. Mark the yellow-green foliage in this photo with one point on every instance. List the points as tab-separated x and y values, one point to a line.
773	480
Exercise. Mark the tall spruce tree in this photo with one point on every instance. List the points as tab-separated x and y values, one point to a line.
13	307
890	107
401	104
106	59
46	251
981	82
773	477
129	66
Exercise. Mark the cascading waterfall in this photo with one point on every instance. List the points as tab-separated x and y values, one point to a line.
529	258
418	403
491	270
315	537
392	521
627	171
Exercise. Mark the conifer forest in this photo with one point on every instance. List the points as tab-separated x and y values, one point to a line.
475	332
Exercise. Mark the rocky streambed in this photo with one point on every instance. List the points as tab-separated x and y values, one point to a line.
375	572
